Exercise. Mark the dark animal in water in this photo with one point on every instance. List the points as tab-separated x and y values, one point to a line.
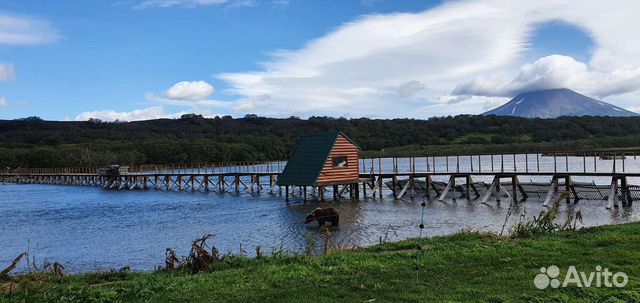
323	215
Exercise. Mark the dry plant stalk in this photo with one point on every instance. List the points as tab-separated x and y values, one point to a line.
55	268
13	264
388	229
258	252
171	259
327	240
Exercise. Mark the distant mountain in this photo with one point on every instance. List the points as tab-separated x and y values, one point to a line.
552	103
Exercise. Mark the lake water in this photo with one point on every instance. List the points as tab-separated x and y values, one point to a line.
89	229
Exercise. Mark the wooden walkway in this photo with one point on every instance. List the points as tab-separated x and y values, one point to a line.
399	178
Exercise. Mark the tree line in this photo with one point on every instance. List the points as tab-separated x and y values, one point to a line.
32	142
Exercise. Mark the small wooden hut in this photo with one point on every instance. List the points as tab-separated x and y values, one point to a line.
324	159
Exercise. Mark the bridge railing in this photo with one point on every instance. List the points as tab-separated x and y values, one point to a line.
194	168
555	162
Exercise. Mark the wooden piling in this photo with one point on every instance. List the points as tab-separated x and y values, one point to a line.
286	193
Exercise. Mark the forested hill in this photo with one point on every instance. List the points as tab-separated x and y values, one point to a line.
32	142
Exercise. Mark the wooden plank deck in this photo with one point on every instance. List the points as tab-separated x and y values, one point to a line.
375	182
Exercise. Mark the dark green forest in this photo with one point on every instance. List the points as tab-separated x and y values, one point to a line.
32	142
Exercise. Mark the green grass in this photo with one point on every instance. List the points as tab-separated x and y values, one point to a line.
467	266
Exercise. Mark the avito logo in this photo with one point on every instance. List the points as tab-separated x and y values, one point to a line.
550	276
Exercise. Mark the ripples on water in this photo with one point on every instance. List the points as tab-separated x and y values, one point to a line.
94	229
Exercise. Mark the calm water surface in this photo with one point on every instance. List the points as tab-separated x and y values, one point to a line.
94	229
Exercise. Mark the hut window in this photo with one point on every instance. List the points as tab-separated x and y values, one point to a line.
340	161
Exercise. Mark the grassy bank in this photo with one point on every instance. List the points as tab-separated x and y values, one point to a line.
464	267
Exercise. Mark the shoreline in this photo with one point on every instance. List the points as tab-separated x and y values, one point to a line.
466	266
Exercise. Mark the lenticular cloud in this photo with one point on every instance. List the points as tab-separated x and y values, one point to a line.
458	48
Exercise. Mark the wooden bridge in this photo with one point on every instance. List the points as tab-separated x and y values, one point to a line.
476	177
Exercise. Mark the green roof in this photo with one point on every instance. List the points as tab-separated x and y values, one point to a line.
308	159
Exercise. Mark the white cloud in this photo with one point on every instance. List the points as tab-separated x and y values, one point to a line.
634	109
441	48
243	3
280	3
453	99
138	5
556	71
154	112
177	3
193	96
3	102
189	91
627	100
7	72
24	30
410	88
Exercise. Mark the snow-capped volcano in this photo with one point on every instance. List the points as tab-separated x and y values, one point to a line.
552	103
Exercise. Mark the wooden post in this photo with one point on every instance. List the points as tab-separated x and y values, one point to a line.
514	191
411	186
304	193
356	191
468	187
626	192
286	193
395	165
522	191
372	166
451	184
613	193
394	182
350	186
427	183
515	169
566	162
497	189
364	189
567	186
555	169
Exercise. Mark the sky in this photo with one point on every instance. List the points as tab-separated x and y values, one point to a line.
146	59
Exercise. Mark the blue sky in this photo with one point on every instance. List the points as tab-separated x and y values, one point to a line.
141	59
